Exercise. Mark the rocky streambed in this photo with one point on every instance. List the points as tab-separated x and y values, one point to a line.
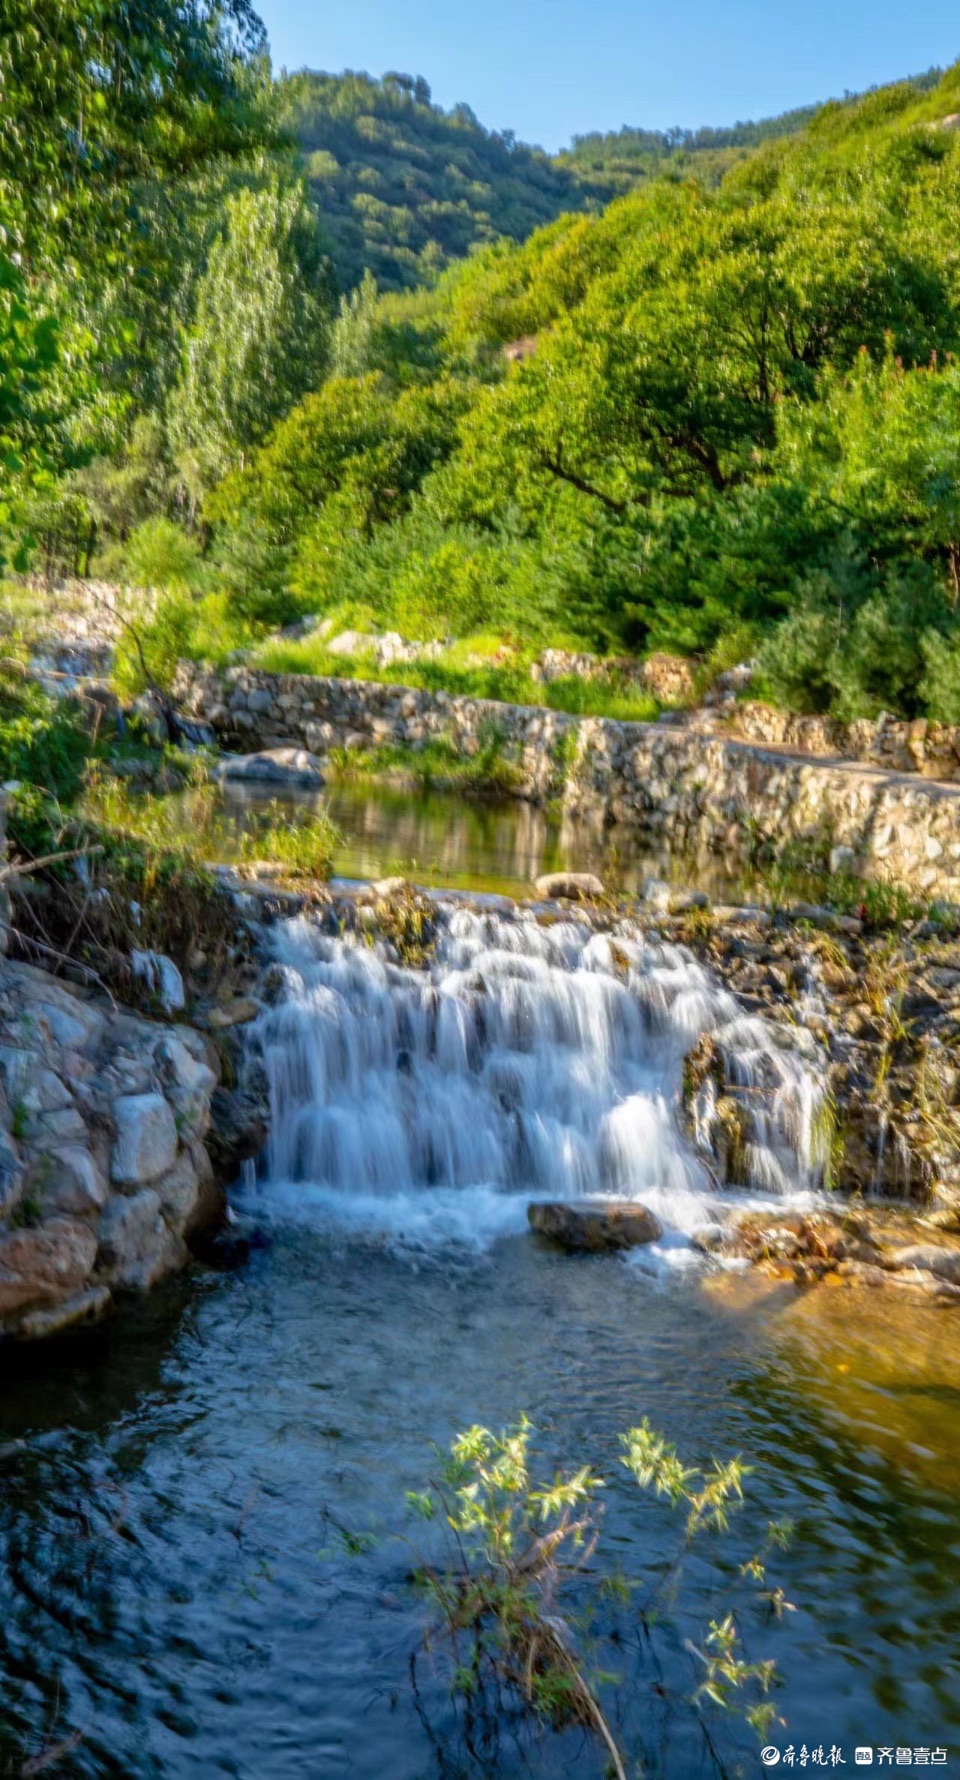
119	1132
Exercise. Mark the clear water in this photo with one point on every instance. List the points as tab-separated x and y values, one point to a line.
438	838
179	1595
174	1590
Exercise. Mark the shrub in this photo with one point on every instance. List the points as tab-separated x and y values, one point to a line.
940	686
162	555
525	1613
183	627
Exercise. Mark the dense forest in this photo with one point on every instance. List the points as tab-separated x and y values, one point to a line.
405	188
719	414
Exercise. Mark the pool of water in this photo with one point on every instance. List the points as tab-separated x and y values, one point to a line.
206	1553
179	1595
438	838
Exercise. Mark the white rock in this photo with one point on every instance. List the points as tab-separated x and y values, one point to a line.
842	859
572	886
657	894
162	978
351	642
146	1144
184	1071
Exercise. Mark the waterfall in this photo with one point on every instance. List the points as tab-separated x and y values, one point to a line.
524	1061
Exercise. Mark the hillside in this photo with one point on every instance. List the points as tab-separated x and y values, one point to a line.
617	160
405	188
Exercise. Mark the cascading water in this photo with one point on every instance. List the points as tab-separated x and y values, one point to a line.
525	1061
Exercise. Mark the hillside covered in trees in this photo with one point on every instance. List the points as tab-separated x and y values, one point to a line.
733	426
616	160
404	187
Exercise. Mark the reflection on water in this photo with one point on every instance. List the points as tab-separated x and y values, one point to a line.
179	1600
439	838
176	1589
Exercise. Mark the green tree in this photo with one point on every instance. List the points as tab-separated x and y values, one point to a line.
100	93
28	357
259	336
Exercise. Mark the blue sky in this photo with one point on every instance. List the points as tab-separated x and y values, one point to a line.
550	68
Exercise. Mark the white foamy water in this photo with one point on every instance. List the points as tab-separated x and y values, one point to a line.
429	1106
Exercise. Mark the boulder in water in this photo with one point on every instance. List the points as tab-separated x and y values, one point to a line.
594	1225
571	886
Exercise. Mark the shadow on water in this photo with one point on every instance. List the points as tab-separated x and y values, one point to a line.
177	1589
185	1592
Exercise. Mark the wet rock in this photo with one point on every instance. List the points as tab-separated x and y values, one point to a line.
162	979
944	1263
238	1011
568	886
704	1063
594	1225
238	1129
146	1143
86	1307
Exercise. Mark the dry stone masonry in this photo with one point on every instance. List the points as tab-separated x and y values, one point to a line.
668	781
104	1172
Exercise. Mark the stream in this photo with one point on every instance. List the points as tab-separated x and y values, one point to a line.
206	1549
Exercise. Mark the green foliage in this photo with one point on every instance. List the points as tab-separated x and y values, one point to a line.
483	666
732	424
625	156
193	828
97	94
258	338
107	104
42	740
28	357
721	413
438	765
162	555
405	187
521	1601
185	626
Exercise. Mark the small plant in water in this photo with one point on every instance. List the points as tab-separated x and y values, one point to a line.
528	1621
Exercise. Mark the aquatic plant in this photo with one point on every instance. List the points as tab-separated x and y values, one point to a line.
516	1551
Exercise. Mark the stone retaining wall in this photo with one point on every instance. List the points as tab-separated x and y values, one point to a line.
104	1171
932	749
670	782
248	709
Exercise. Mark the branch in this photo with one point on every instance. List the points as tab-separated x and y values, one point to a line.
556	467
23	939
19	868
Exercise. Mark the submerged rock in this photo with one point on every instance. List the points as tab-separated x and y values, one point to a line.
571	886
594	1225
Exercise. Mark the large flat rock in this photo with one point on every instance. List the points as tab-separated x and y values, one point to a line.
593	1226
